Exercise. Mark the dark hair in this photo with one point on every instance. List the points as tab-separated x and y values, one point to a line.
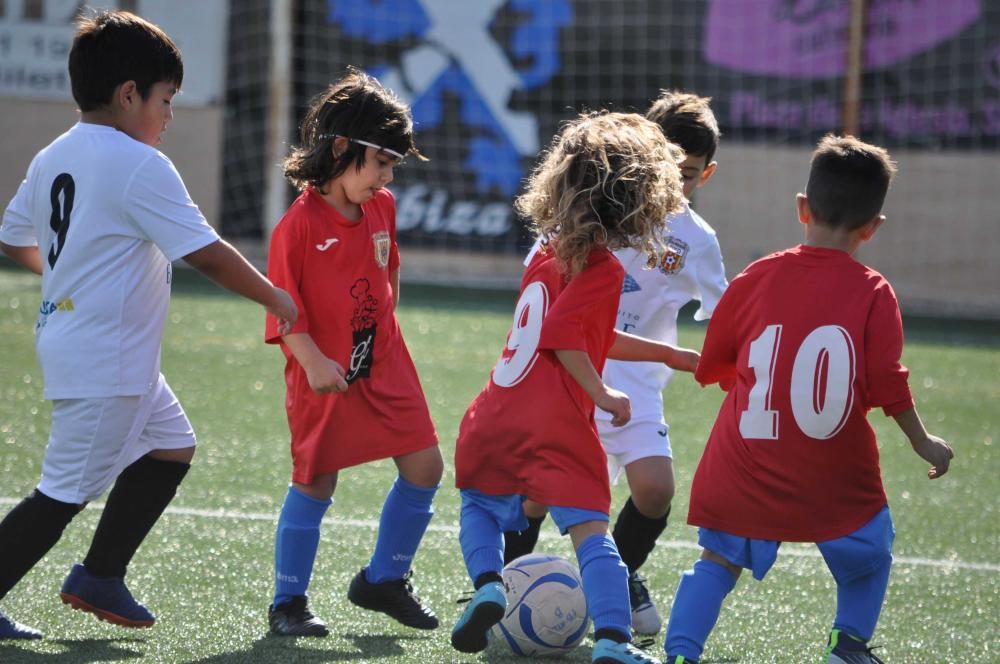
848	181
113	47
687	120
355	107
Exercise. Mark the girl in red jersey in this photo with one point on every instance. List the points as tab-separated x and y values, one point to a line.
352	390
608	182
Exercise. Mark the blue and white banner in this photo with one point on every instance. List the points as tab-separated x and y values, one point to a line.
490	81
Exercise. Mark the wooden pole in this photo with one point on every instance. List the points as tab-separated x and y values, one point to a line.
851	112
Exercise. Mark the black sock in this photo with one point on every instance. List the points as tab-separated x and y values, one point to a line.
140	495
521	543
27	533
487	577
636	534
613	634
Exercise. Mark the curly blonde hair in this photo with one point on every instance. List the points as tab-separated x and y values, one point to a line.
608	179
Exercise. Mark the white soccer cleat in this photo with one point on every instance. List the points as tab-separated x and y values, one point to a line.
646	619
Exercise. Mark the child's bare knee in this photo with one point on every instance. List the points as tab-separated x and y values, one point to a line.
653	501
182	455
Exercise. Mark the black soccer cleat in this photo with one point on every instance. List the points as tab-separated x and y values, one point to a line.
846	649
393	598
295	619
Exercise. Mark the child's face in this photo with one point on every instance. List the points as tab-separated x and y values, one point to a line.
145	120
360	186
695	171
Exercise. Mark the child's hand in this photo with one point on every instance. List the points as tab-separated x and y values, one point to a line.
326	376
936	452
284	310
612	401
683	359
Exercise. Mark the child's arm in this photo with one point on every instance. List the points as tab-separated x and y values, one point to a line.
324	375
639	349
394	282
577	363
931	449
227	267
27	257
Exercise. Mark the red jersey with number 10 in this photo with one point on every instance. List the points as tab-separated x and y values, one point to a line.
805	341
531	430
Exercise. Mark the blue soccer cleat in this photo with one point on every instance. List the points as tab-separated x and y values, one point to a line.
15	630
607	651
107	598
471	632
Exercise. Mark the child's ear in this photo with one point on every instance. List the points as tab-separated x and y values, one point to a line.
127	94
802	205
707	174
868	231
339	146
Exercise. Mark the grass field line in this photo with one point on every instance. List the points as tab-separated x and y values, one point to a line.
790	549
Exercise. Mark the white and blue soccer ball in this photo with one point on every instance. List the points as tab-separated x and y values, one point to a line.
546	609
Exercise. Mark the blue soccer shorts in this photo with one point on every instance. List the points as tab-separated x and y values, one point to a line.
509	513
850	557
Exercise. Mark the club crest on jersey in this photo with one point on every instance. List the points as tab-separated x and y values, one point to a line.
672	259
382	244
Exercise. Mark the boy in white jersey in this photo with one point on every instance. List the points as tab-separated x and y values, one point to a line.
100	216
651	299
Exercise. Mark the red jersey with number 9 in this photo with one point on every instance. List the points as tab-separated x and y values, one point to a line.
531	430
805	341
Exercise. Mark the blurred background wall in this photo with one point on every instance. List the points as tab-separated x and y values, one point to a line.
489	82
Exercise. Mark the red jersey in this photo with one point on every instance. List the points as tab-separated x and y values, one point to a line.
531	430
337	271
806	341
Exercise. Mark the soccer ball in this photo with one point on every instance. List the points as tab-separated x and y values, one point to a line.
546	610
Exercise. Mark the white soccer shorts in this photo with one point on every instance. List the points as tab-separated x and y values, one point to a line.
94	440
636	440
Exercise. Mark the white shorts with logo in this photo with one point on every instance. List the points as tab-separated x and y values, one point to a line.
94	440
636	440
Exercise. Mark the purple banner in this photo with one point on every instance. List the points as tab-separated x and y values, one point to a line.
808	38
898	120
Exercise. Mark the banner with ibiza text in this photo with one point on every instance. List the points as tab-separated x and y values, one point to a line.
489	81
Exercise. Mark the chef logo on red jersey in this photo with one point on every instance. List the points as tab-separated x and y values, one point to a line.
363	327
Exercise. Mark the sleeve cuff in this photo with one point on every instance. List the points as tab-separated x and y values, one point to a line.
898	407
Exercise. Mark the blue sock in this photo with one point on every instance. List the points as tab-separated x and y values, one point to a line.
859	603
295	544
481	540
605	584
696	608
405	515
